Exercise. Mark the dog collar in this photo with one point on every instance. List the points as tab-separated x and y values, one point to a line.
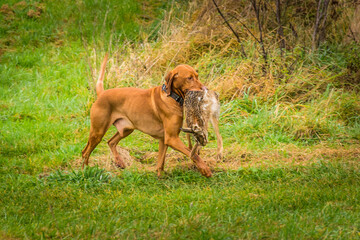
176	97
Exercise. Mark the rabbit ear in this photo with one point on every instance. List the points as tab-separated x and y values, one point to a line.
187	130
169	81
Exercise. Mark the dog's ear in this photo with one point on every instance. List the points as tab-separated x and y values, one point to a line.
169	81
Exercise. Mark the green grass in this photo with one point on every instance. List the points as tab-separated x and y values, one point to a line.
42	107
45	96
319	201
67	20
260	125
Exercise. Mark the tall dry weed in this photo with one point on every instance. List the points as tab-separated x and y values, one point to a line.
196	35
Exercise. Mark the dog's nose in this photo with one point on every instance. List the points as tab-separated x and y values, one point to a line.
204	88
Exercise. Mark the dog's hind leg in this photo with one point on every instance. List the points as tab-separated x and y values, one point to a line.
99	125
124	129
94	139
161	157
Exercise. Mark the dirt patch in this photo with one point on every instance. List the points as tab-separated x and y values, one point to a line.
6	236
291	155
7	12
33	14
106	161
33	10
5	9
20	5
285	156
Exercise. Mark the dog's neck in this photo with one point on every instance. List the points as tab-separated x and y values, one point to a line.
177	96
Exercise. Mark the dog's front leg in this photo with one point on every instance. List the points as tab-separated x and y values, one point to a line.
161	157
175	143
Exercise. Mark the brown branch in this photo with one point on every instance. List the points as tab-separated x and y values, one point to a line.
245	28
321	16
293	31
280	30
352	34
233	31
257	14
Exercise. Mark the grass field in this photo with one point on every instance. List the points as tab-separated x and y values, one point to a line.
291	166
318	201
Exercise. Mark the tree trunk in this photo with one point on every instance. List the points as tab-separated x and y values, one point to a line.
319	28
280	30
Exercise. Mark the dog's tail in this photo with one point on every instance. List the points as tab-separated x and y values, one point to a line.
100	81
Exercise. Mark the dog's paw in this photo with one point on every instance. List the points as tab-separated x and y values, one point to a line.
160	174
205	171
120	163
120	166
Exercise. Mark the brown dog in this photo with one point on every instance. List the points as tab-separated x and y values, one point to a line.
153	111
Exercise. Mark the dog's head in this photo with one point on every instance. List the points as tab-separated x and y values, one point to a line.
182	79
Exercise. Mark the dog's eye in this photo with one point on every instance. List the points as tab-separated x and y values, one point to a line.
190	78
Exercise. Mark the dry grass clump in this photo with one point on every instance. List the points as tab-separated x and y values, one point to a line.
33	10
199	37
144	65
